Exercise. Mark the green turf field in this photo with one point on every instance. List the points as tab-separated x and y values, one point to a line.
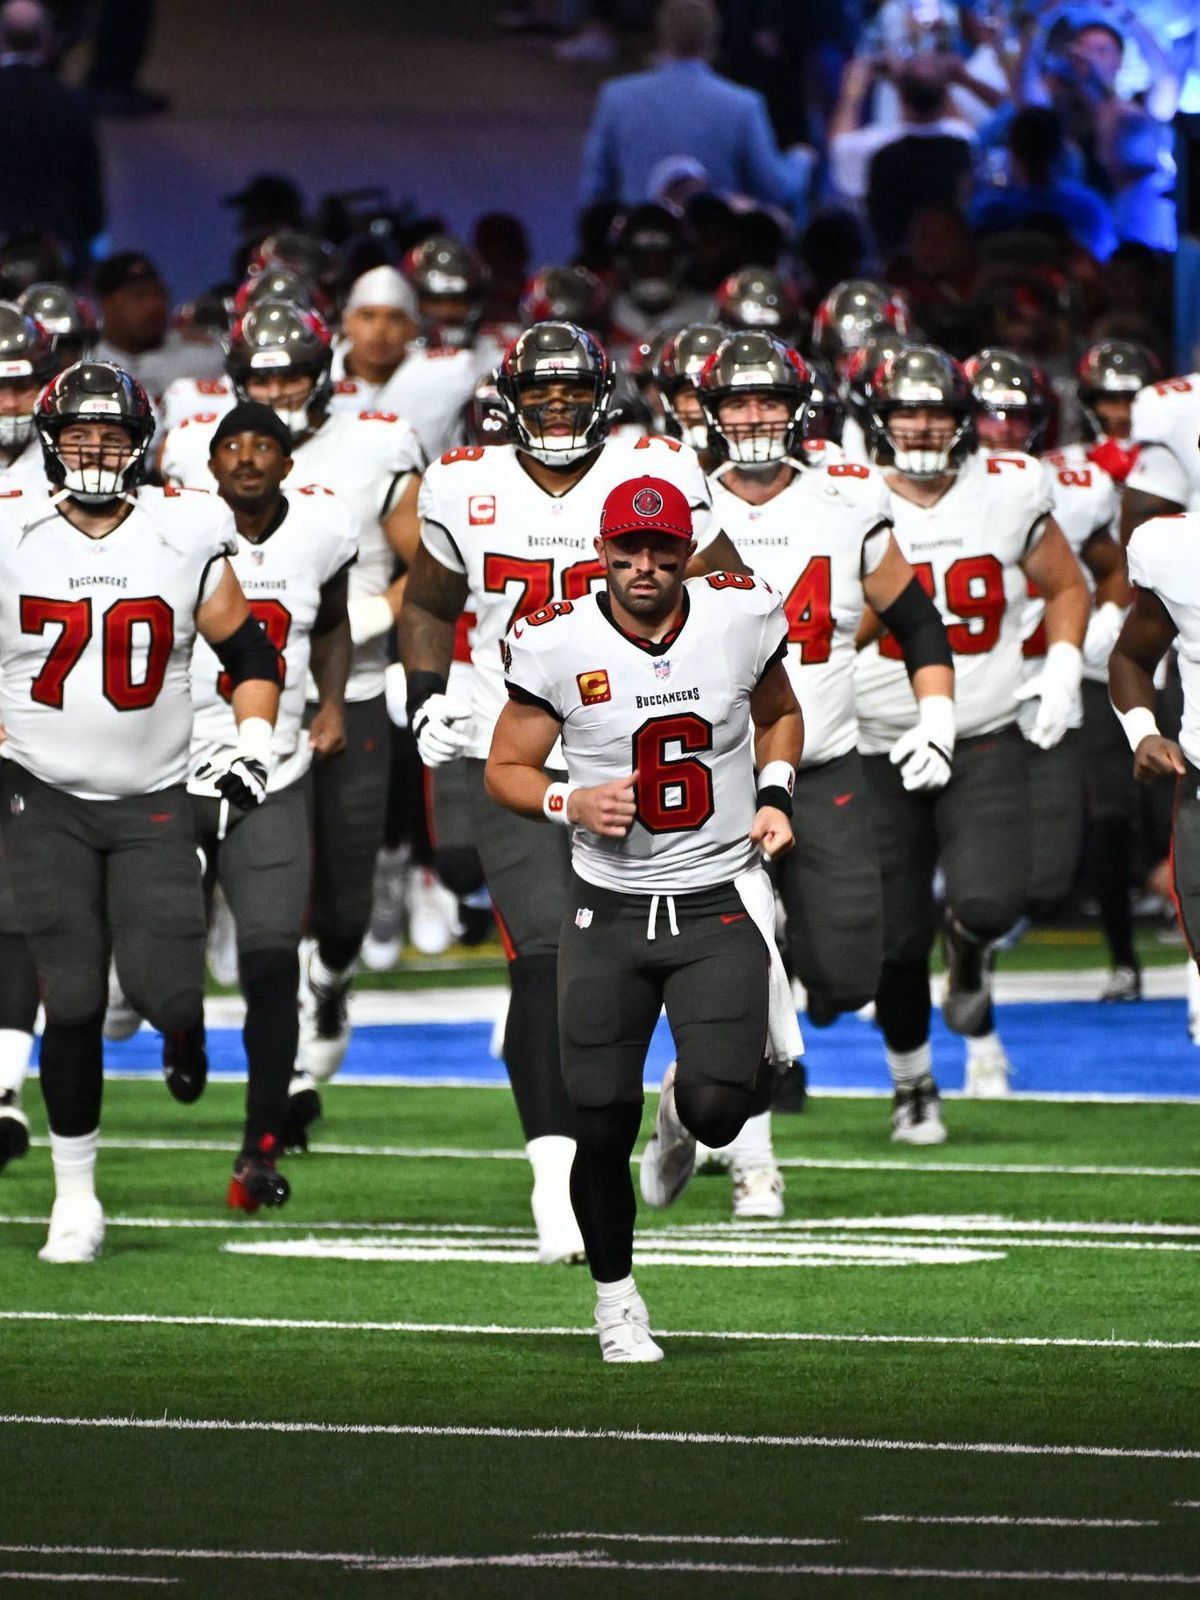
971	1370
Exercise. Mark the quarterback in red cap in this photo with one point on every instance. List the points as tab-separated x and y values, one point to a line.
665	693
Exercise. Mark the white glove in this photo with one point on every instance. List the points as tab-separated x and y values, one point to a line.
370	615
1103	627
442	728
240	775
1056	689
924	754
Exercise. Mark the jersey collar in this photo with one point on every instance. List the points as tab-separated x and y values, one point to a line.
651	647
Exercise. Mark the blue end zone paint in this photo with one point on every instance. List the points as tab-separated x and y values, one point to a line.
1058	1047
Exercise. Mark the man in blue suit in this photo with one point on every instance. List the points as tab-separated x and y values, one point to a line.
685	108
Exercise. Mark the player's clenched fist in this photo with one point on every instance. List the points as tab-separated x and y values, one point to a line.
772	831
608	809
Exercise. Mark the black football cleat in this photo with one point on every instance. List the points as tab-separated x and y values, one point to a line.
255	1181
789	1092
967	993
14	1127
185	1063
303	1109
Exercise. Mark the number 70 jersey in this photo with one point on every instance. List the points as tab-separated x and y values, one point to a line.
677	714
520	548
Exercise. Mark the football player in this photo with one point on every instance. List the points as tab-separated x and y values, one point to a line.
1108	380
975	526
451	284
760	299
1165	477
567	294
649	255
679	367
379	363
822	535
280	355
1165	573
66	318
104	586
27	363
293	555
506	530
853	312
1013	410
664	696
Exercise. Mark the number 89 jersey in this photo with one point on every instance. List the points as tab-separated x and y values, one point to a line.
96	637
521	548
965	551
676	712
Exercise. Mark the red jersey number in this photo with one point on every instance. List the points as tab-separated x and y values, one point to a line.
128	624
809	612
975	592
674	791
536	580
275	620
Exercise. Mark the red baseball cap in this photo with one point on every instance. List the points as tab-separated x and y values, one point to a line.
646	505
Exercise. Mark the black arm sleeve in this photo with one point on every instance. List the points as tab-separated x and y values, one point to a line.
248	653
913	621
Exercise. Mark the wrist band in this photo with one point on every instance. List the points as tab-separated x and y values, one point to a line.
254	739
554	802
774	794
777	775
1137	724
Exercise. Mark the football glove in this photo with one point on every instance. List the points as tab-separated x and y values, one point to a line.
442	728
1056	689
243	781
1104	625
925	752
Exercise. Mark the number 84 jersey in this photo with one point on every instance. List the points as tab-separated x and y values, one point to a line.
676	712
966	552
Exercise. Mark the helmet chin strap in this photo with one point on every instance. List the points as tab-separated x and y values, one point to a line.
92	501
923	463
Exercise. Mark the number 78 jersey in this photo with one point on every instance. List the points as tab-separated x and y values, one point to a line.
676	713
520	548
966	552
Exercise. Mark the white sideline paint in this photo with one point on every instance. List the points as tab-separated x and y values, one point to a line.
916	1167
771	1441
725	1540
80	1577
1017	1522
502	1330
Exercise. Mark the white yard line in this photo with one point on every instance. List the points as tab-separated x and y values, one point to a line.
79	1577
729	1540
1016	1522
503	1330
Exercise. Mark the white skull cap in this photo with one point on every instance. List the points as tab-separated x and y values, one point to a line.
383	286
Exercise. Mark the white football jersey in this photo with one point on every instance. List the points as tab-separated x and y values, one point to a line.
1164	557
1166	425
28	471
181	355
521	547
195	397
282	576
428	389
854	442
677	713
965	552
366	459
815	542
96	637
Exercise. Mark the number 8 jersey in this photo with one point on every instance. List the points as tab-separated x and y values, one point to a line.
676	712
96	638
966	552
520	547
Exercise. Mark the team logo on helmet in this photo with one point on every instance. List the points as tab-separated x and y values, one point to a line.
647	502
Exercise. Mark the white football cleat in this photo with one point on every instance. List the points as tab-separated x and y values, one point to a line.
624	1329
917	1114
1193	1001
669	1158
758	1193
324	1021
389	901
433	922
76	1231
121	1021
560	1242
988	1069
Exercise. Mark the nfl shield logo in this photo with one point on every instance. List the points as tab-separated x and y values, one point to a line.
662	667
583	917
257	557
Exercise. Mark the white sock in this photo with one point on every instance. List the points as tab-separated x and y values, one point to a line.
550	1156
326	977
74	1163
609	1294
15	1049
908	1066
752	1146
983	1046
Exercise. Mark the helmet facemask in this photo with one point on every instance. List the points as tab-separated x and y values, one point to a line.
918	459
584	422
759	445
94	474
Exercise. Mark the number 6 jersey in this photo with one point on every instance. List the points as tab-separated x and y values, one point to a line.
966	552
521	547
96	636
676	712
